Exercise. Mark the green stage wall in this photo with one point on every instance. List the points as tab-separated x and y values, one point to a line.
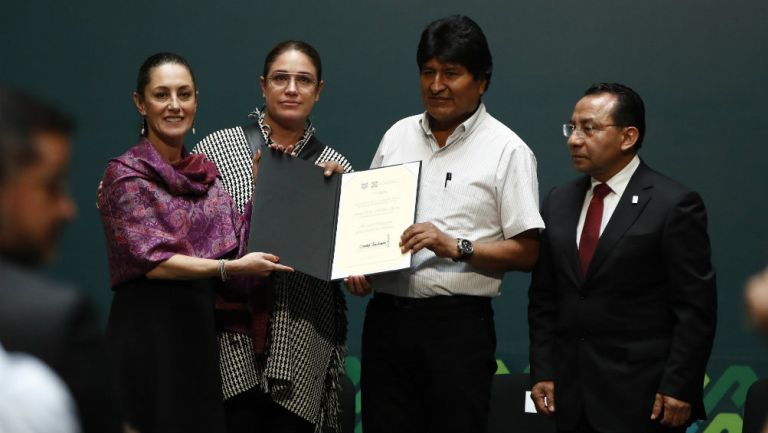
700	66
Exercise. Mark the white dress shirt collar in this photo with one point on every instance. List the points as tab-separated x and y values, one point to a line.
618	183
464	129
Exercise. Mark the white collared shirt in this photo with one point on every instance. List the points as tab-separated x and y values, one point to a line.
492	195
618	183
32	398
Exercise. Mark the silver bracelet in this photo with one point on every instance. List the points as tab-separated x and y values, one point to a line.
223	270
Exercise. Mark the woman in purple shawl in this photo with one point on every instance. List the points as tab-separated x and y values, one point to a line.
176	248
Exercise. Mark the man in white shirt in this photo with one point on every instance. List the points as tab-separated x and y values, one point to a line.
429	339
622	301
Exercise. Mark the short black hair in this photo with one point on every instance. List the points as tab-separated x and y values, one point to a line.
457	39
300	46
22	116
629	110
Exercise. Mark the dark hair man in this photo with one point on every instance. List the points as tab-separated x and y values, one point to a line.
429	339
622	320
37	317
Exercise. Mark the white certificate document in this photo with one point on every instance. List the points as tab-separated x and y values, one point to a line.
375	208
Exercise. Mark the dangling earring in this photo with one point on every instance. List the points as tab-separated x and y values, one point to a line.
143	122
193	128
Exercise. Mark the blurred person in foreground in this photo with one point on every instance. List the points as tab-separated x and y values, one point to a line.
756	297
33	399
756	300
38	317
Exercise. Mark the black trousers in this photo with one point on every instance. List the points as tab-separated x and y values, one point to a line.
427	364
255	412
585	427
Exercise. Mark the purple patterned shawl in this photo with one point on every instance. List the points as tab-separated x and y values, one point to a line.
152	210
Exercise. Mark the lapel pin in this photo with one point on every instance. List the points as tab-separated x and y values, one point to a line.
634	199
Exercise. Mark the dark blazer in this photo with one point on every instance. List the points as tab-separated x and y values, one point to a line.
641	321
756	408
57	325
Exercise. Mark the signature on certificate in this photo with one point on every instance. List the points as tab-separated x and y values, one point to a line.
376	243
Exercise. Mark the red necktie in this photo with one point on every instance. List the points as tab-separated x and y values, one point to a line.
590	234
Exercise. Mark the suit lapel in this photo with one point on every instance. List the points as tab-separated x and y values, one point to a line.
573	200
626	213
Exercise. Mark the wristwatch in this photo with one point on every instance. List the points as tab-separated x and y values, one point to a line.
465	249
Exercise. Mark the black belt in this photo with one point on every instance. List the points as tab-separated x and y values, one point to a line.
431	303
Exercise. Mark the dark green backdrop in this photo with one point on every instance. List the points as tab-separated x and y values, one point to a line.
700	65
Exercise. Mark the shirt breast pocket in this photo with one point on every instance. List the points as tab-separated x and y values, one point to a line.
465	202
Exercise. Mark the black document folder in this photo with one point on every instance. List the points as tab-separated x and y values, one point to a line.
295	215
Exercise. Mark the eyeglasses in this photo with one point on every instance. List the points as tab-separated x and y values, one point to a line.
281	80
587	130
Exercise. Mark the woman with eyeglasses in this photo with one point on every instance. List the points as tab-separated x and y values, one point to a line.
294	384
177	260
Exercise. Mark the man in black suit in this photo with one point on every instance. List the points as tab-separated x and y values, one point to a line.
622	304
38	317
